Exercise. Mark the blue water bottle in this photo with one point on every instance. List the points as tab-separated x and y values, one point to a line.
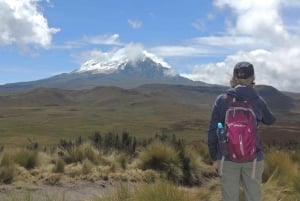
221	133
222	137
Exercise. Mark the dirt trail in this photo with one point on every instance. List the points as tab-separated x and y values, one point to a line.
80	190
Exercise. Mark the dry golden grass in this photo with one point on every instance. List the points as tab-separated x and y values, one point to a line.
280	166
281	176
149	192
210	191
152	167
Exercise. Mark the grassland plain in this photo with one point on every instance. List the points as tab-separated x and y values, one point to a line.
143	115
47	115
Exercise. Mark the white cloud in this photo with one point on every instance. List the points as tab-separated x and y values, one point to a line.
135	24
23	24
180	51
106	39
230	44
259	19
103	39
220	73
279	68
259	35
132	51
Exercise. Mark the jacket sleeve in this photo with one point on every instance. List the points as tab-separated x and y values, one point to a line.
216	116
267	116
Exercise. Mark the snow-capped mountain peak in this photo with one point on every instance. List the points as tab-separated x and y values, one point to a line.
101	67
127	67
110	62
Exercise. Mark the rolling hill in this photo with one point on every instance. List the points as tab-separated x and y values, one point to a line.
183	94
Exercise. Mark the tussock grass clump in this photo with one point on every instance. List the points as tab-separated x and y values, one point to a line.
272	190
11	160
192	166
87	167
59	166
78	153
7	168
279	165
203	151
162	157
27	158
91	154
210	192
281	175
295	155
177	162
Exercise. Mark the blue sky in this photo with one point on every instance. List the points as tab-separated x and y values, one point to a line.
199	39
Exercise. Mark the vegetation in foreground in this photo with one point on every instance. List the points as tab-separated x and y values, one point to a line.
158	168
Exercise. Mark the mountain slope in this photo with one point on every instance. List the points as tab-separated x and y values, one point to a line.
276	99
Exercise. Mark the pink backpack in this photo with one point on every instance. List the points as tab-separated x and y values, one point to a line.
241	125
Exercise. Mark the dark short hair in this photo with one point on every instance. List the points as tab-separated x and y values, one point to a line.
243	70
